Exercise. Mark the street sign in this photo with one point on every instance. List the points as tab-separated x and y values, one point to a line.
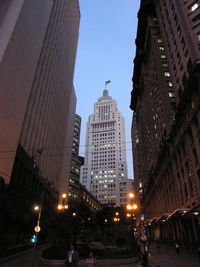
37	229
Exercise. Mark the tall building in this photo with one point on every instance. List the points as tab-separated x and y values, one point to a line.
104	172
38	42
77	192
76	162
166	118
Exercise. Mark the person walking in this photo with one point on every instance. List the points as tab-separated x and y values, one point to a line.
72	257
91	261
177	248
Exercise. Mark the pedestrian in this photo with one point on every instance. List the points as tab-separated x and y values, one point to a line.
177	247
91	261
72	257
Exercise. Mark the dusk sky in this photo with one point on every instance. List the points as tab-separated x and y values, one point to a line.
106	51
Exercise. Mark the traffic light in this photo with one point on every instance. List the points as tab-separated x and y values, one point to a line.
33	239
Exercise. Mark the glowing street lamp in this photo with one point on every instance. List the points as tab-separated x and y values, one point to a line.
131	195
36	208
60	207
135	206
64	195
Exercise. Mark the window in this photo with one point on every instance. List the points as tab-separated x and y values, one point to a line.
170	84
161	48
167	74
171	94
163	56
193	7
196	19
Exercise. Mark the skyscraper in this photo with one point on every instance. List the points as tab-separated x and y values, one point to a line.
38	42
76	162
105	170
166	119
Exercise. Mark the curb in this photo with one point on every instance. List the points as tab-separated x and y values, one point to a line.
100	262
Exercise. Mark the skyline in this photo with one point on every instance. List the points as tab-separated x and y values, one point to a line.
96	47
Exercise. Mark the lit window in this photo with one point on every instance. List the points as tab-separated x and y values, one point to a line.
170	84
171	94
193	7
137	140
198	36
167	74
161	48
163	56
159	41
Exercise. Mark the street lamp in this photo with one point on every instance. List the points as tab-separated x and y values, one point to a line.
36	208
131	207
131	195
63	205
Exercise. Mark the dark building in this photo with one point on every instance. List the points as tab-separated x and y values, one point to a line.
166	119
77	192
76	162
38	42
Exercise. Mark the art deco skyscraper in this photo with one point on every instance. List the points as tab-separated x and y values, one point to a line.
38	42
105	170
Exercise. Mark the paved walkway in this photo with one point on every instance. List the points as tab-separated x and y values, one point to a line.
169	258
166	258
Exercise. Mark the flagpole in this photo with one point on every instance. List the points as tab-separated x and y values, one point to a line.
106	82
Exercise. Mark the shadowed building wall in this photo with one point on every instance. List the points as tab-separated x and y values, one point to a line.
166	119
37	55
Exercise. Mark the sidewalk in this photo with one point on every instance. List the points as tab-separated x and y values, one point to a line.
169	258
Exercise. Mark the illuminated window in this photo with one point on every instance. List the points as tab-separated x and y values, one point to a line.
161	48
159	41
165	65
171	94
193	7
163	56
167	74
198	36
170	84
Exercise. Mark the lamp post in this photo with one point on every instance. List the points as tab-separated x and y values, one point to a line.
37	228
63	206
131	208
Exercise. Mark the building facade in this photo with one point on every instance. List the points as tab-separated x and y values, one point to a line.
37	56
166	119
76	162
104	172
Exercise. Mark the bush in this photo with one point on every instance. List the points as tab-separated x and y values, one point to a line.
53	253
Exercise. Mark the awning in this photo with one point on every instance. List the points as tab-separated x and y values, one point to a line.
178	213
193	211
163	217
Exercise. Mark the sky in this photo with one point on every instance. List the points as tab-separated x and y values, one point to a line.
106	50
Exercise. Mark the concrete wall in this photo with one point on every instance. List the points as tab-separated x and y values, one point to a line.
22	32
